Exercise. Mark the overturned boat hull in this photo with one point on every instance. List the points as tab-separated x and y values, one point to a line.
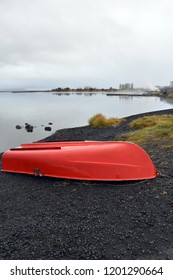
83	160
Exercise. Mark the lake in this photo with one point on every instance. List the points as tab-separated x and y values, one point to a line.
52	111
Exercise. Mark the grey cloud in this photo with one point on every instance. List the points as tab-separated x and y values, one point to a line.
98	42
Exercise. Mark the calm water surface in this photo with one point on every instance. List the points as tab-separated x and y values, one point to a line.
63	111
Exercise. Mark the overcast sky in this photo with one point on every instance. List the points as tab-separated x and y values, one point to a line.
78	43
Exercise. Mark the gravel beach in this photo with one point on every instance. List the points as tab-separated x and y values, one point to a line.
50	218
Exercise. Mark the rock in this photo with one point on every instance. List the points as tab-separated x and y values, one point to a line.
18	126
48	128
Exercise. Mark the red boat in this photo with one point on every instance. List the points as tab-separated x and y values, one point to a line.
83	160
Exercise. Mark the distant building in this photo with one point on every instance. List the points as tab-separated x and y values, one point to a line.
126	86
167	89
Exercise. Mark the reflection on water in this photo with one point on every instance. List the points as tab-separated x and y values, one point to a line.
28	117
168	99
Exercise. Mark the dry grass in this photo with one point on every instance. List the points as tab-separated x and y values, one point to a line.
100	120
150	128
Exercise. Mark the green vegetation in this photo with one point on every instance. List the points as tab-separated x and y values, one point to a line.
100	120
155	92
83	89
144	122
150	128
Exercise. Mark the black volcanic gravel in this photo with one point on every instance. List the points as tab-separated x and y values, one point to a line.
48	218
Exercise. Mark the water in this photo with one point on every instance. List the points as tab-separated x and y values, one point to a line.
63	111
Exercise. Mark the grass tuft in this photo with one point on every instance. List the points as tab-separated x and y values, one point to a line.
100	120
150	128
144	122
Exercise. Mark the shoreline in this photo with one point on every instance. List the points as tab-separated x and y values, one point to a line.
68	132
60	219
103	133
